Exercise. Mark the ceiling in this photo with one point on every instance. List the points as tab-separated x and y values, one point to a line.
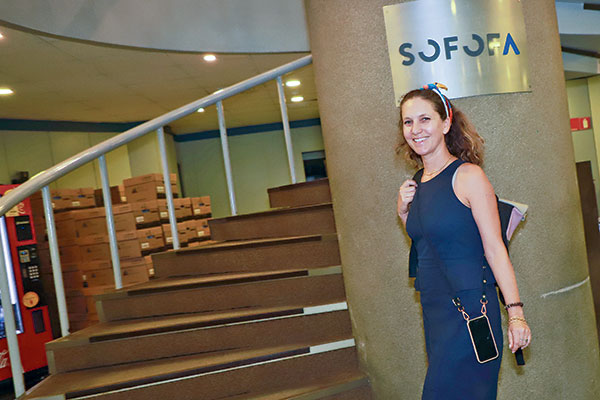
63	80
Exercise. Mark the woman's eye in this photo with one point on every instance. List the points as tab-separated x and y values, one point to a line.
424	119
407	122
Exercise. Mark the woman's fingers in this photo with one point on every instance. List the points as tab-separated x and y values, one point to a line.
519	336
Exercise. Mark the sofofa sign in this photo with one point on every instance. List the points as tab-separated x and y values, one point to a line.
474	47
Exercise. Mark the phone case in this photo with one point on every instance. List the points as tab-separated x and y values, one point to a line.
482	339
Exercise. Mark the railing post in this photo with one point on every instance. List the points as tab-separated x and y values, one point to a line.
10	326
226	160
168	192
61	300
110	223
286	129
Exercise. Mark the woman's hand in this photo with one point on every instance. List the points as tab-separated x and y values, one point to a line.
519	334
405	197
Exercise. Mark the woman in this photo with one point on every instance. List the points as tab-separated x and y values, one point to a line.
453	221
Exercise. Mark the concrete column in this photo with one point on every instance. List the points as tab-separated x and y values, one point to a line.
529	159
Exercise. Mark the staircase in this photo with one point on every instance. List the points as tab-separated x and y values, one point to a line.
259	313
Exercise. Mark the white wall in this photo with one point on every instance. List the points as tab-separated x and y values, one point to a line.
258	162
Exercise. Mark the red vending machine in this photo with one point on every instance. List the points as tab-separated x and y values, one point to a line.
27	298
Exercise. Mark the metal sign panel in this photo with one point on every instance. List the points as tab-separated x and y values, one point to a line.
474	47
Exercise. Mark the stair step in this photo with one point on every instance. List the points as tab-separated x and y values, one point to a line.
95	349
300	194
191	282
304	252
246	382
349	385
295	292
361	393
277	223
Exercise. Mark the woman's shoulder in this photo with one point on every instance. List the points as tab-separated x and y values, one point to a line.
470	174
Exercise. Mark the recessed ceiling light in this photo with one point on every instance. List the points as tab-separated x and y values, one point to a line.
210	57
5	91
292	83
1	36
297	99
200	109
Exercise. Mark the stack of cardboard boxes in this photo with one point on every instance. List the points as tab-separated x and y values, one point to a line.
142	226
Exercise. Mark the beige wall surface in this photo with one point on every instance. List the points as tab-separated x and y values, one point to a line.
258	162
37	151
583	141
530	159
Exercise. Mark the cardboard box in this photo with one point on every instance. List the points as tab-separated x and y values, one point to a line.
72	280
149	265
201	207
65	227
70	254
183	209
76	303
96	248
81	198
115	196
93	265
151	240
202	229
105	277
145	213
191	231
147	187
93	221
182	233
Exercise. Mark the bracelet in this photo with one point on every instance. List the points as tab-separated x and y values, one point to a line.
514	319
519	304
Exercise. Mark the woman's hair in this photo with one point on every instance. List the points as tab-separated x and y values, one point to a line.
462	140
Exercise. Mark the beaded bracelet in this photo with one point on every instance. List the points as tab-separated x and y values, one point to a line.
519	304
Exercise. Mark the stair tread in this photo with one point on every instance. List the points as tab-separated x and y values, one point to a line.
273	212
353	379
185	282
98	380
247	243
152	325
314	182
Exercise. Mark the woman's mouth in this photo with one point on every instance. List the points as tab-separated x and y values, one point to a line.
419	140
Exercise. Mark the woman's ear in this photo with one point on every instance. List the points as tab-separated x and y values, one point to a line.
446	125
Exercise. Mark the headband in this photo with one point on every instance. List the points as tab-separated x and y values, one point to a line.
435	87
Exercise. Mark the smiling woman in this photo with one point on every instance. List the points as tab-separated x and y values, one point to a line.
450	212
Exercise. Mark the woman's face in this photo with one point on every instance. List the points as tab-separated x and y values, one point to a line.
423	127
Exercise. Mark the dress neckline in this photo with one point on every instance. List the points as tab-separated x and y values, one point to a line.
441	172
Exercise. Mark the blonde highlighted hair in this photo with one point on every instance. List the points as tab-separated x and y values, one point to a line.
462	140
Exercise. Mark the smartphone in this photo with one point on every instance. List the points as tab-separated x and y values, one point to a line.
482	338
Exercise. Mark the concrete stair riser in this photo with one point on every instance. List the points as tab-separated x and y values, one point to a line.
302	330
310	252
279	223
300	194
293	292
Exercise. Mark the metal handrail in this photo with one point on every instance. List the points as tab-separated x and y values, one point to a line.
44	178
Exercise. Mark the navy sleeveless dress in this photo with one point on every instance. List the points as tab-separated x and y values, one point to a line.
453	372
